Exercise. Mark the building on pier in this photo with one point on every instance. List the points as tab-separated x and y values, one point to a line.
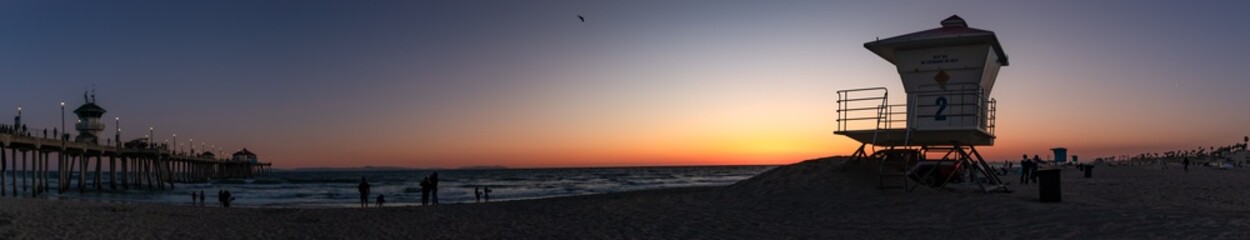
89	125
244	156
208	155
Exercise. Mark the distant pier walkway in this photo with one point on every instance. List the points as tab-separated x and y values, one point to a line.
26	158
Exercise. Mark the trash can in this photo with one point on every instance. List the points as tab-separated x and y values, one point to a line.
1089	171
1048	189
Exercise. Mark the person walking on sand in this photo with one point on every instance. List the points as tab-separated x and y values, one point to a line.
425	191
434	188
486	194
381	200
1037	161
194	198
221	197
1024	170
201	198
1186	162
477	194
364	192
228	198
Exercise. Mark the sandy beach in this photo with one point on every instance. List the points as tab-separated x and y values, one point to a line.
808	200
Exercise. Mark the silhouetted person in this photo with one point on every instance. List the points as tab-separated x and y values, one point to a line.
434	188
1033	170
201	198
1024	170
364	192
425	191
477	194
486	194
228	198
194	198
221	197
1186	162
381	200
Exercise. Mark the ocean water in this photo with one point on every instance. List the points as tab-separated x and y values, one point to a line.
338	188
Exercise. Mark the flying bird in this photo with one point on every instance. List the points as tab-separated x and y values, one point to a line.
579	17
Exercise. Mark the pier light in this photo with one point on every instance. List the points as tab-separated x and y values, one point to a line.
63	118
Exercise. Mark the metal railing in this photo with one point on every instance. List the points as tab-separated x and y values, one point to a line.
970	104
857	108
869	108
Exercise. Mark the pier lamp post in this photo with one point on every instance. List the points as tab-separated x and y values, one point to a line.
118	122
149	137
63	120
191	146
18	123
175	143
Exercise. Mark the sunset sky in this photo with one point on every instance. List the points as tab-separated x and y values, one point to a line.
525	84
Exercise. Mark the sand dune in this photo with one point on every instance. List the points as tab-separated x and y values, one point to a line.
816	199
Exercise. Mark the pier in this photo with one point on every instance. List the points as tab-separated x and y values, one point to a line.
26	158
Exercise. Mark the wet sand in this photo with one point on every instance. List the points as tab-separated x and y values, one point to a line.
808	200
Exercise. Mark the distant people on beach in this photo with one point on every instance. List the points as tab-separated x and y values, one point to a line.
194	198
434	190
425	191
1009	167
364	192
381	200
229	198
201	198
223	196
1186	163
486	194
1024	170
1037	161
477	194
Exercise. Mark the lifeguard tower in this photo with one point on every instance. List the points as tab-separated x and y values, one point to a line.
947	73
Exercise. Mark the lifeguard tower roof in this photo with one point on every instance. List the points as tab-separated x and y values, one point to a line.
954	31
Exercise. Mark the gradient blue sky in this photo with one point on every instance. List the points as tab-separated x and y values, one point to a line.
524	84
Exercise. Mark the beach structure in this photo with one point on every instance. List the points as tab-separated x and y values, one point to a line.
140	163
1061	154
243	155
948	74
